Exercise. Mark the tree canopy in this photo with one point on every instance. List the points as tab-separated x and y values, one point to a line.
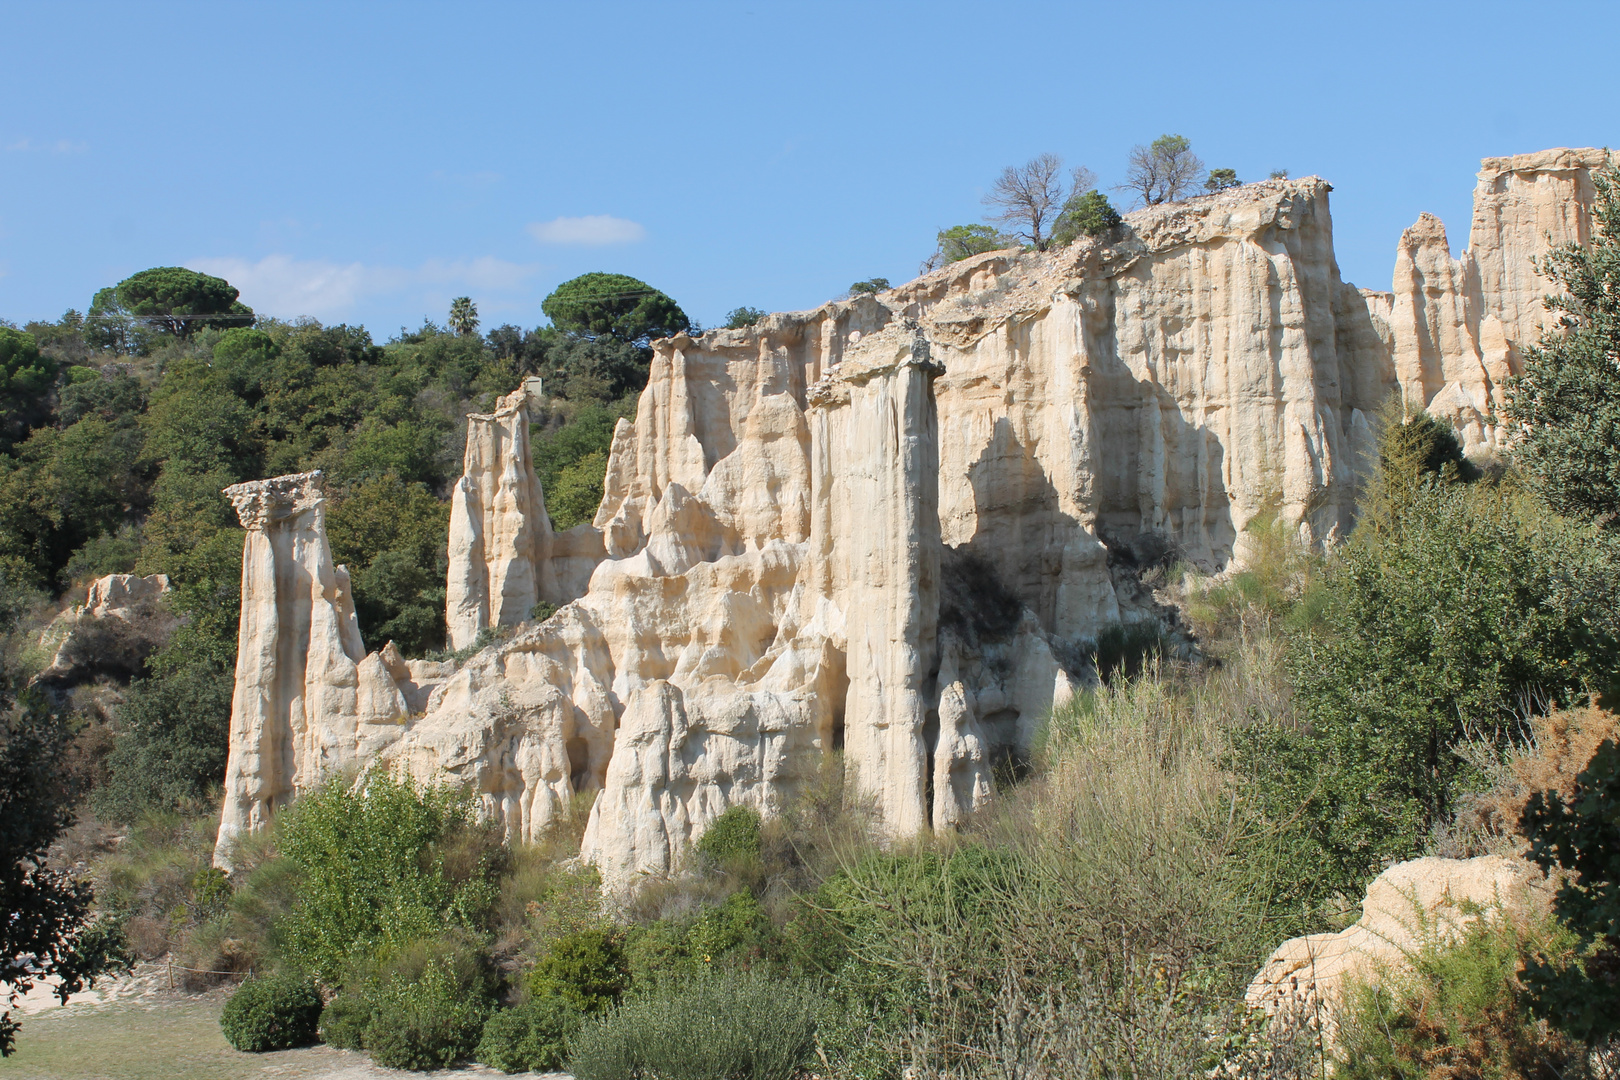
1163	171
171	300
616	305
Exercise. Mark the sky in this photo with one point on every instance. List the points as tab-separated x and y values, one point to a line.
366	163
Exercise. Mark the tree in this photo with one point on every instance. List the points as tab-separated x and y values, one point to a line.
1565	403
1581	837
1279	174
1162	171
871	285
1027	198
47	933
965	241
1084	215
463	316
1452	607
172	300
26	378
616	305
1221	179
737	318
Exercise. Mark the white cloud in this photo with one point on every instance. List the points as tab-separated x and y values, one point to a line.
592	229
282	286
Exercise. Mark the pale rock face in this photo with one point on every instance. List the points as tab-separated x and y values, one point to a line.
308	703
890	524
1457	328
1308	975
500	535
120	623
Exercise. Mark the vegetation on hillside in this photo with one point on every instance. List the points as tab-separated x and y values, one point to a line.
1410	691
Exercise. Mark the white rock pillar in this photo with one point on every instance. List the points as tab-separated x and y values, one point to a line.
294	709
875	478
500	534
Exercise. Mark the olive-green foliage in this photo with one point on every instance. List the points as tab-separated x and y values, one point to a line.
25	379
175	301
615	304
737	318
728	1026
1565	404
530	1037
430	1019
577	492
584	369
1459	1010
734	933
277	1012
1582	838
171	751
586	969
392	536
109	553
382	867
964	241
345	1019
732	837
1221	179
1088	214
1451	610
1122	650
871	285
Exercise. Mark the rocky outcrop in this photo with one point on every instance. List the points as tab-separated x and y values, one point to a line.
308	702
1408	906
1457	328
892	525
121	622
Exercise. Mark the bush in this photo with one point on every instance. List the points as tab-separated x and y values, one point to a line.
531	1037
1089	214
585	969
731	837
738	318
171	753
381	868
732	1026
428	1022
273	1013
1459	1012
344	1021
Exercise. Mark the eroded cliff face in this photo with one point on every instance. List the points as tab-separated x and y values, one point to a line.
892	525
1458	328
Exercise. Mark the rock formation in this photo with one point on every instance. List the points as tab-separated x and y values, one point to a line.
892	525
121	622
1408	905
1457	328
308	701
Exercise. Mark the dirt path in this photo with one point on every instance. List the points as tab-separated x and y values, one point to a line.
135	1028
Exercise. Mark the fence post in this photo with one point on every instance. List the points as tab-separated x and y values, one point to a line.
171	973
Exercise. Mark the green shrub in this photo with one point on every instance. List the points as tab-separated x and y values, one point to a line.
586	969
1089	214
1459	1011
1124	649
733	933
344	1021
531	1037
428	1022
1581	836
732	837
273	1013
729	1026
389	865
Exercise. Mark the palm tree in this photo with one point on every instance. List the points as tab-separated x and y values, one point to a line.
463	316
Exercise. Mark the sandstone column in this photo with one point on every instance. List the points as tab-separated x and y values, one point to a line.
500	534
875	478
297	649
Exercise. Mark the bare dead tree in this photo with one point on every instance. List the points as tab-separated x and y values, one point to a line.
1028	198
1164	171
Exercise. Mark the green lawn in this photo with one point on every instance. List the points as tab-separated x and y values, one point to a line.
169	1038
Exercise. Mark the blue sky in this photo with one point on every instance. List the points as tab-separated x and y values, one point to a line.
367	162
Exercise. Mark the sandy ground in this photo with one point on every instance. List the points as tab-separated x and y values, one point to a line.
135	1028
